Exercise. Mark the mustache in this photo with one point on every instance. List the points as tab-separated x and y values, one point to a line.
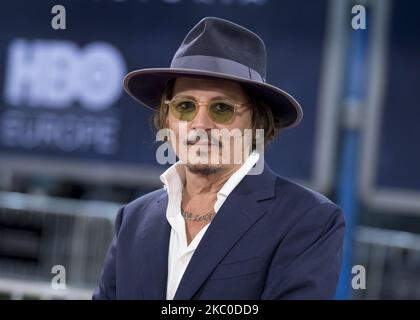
195	138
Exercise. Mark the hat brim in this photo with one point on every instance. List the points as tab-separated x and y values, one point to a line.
147	85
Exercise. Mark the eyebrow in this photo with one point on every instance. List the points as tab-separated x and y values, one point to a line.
212	99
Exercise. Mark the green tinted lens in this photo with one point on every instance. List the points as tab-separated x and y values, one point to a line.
184	110
221	112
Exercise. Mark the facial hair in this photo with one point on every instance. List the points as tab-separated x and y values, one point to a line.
204	170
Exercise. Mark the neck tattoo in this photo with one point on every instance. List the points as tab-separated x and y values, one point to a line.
194	217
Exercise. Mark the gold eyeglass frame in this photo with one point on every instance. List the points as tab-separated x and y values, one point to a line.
236	105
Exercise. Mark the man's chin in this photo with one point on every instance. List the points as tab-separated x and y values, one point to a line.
205	169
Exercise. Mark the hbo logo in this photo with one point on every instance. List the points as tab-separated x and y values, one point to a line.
57	74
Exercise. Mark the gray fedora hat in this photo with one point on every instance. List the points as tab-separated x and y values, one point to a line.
219	49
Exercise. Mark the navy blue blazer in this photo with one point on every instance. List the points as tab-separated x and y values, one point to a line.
271	239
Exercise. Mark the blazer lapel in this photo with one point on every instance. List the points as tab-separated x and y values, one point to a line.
154	245
237	215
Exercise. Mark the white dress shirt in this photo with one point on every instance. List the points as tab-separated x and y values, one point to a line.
180	252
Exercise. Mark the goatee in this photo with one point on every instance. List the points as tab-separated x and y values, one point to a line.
204	170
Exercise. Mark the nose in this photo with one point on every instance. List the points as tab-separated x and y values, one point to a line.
202	119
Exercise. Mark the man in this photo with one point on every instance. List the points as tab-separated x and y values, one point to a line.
216	231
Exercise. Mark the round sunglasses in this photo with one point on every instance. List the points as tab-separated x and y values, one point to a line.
221	111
